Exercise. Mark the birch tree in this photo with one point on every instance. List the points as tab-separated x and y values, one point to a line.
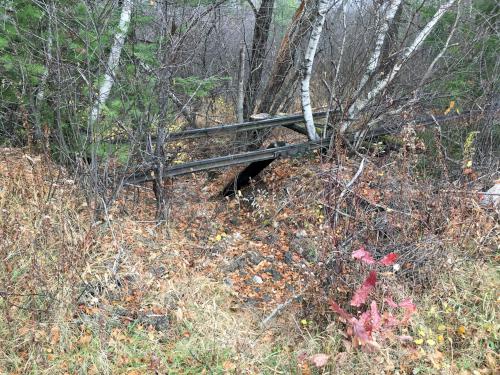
113	61
362	101
305	97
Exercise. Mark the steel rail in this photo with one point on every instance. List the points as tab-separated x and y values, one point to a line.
226	161
244	126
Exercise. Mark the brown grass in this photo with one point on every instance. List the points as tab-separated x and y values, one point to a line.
124	296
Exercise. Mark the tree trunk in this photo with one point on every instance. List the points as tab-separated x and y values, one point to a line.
362	101
113	61
305	96
286	56
382	37
241	86
263	20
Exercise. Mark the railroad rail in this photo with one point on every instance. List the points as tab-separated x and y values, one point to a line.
272	153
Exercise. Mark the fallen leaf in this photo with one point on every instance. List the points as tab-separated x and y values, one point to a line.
363	255
389	259
319	360
55	334
85	339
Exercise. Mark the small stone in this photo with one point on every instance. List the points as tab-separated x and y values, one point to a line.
301	233
158	271
257	279
254	258
275	274
288	257
228	282
236	264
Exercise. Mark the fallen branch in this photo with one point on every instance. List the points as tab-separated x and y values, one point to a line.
278	310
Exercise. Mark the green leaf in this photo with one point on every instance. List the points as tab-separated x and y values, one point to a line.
3	42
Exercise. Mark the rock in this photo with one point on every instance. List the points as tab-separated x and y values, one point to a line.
288	257
254	257
236	264
301	233
266	298
492	196
228	282
275	274
257	279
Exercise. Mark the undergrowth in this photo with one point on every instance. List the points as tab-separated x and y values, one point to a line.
126	297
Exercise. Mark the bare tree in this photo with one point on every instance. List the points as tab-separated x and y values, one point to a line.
362	101
241	85
113	61
323	6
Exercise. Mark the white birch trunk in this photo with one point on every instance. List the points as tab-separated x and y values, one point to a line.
113	60
375	57
241	85
363	101
305	96
40	95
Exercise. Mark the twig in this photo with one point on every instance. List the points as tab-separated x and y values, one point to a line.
278	310
347	188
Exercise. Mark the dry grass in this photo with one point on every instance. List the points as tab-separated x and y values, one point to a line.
112	298
123	297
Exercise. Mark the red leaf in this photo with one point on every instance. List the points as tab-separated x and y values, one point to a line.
389	259
366	319
363	255
362	293
408	304
390	302
360	331
409	308
339	310
375	316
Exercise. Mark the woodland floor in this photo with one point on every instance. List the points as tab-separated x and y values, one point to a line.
125	296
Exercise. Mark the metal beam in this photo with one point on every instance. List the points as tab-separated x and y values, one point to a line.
226	161
245	126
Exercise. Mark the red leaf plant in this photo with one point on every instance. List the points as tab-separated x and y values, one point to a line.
363	255
371	322
362	293
366	257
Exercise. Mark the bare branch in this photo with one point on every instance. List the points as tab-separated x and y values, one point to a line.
362	102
